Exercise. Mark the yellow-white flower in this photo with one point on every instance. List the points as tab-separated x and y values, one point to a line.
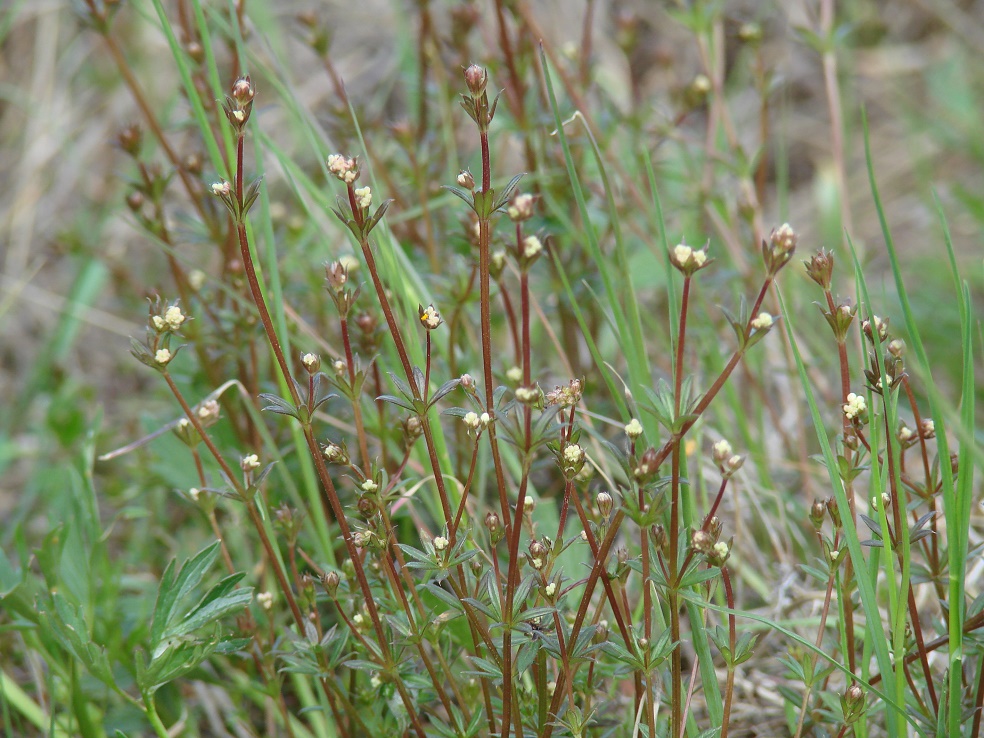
531	246
440	543
364	196
162	356
174	317
762	321
265	600
855	406
633	428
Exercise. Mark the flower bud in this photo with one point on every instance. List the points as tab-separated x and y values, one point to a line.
476	79
311	362
818	511
779	249
330	580
336	454
466	180
494	526
130	138
820	268
604	502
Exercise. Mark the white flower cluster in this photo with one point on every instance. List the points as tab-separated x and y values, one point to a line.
531	247
573	454
440	543
633	429
762	321
855	406
343	168
475	421
265	600
686	257
521	207
364	197
171	320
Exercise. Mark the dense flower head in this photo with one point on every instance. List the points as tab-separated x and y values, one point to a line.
343	168
363	197
531	247
687	259
855	406
762	321
521	207
566	396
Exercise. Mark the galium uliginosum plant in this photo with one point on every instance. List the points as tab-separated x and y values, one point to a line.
488	590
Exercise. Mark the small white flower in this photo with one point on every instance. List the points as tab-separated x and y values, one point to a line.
834	554
162	356
194	493
183	423
905	434
551	688
369	486
762	321
375	682
498	259
700	257
472	420
174	317
221	188
584	535
722	449
440	543
514	374
633	428
309	360
550	590
358	619
364	196
250	462
430	318
531	246
485	419
196	278
265	600
526	394
573	454
721	549
521	207
682	253
339	366
158	322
